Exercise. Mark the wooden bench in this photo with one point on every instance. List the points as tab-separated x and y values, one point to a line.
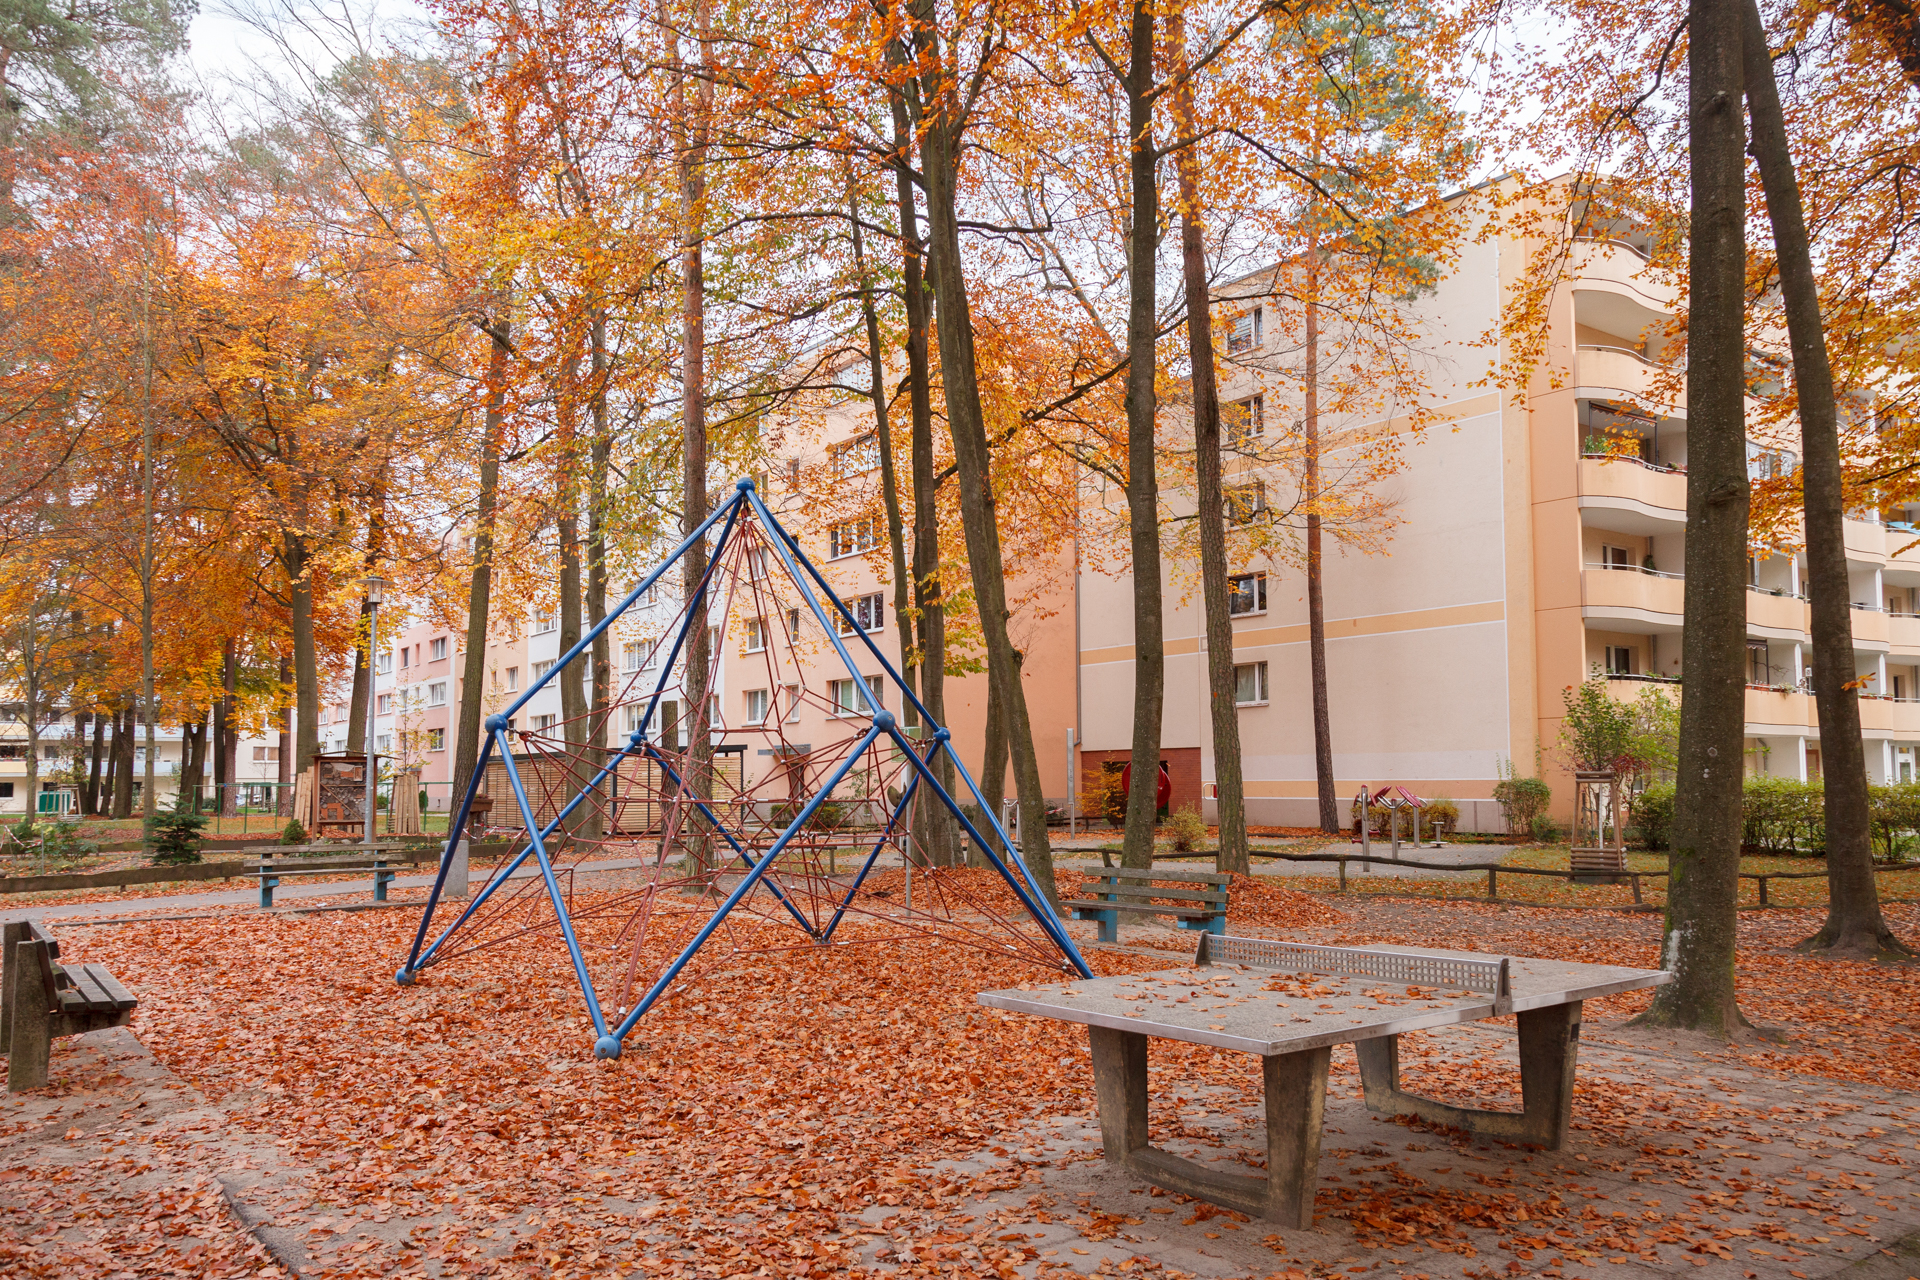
1198	899
271	873
41	999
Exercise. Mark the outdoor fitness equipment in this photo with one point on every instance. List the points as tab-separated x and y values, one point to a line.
718	838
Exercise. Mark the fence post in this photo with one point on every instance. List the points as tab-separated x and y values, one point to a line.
1493	885
1343	875
1635	876
1763	889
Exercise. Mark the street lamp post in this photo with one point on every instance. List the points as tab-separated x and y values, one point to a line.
376	592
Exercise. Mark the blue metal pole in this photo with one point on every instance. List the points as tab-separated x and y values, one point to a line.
787	543
405	976
727	508
906	798
1030	897
553	892
609	1046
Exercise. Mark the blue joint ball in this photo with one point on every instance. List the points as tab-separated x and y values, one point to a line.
883	719
943	735
744	483
607	1047
404	977
496	723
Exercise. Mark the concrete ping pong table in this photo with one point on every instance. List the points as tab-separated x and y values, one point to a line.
1291	1003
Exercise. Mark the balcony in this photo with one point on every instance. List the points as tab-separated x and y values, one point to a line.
1866	541
1618	481
1903	546
1630	594
1871	626
1903	634
1775	612
1897	716
1792	710
1621	373
1616	264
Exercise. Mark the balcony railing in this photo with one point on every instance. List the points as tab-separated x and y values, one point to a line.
1779	592
1628	245
1636	568
1625	351
1638	462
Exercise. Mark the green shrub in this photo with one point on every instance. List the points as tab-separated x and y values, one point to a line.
1521	800
293	832
175	836
1782	815
1653	815
1895	813
1184	830
1440	815
1544	829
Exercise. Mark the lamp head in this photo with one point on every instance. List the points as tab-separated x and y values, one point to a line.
375	588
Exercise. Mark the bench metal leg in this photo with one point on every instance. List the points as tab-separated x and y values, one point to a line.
1549	1052
1215	925
1109	922
30	1030
380	879
1296	1088
267	884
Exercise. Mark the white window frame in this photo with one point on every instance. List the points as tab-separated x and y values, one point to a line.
756	638
436	739
544	722
1239	513
437	694
437	649
543	622
540	669
793	702
869	614
1248	332
1243	421
758	702
634	655
513	679
1625	561
1623	655
1261	690
852	538
1258	594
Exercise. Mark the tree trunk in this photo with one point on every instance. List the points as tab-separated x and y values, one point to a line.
979	518
1701	920
598	466
993	760
306	659
123	763
1143	486
1232	855
284	775
32	679
110	784
1316	563
692	124
90	798
368	644
935	829
574	691
466	750
193	763
226	763
889	477
1855	926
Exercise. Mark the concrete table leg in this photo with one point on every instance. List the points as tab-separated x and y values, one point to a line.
1296	1089
30	1039
1549	1053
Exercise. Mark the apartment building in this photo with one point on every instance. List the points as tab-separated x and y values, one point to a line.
1536	538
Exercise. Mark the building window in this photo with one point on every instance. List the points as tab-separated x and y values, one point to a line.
1616	557
852	538
1243	421
406	656
1759	670
543	723
636	654
437	694
1620	660
266	754
757	563
544	622
1250	684
869	614
856	457
513	679
1248	332
436	739
383	705
1247	593
845	696
384	742
437	649
756	636
634	712
793	702
793	624
540	669
6	791
756	706
12	751
1245	502
386	664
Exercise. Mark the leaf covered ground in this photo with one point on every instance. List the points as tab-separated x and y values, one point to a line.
854	1112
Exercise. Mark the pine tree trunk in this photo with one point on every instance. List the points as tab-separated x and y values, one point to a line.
979	520
466	750
1701	919
1143	486
1231	855
1855	926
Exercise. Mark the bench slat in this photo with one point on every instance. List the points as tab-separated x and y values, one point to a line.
1140	893
1192	909
118	996
1135	873
89	987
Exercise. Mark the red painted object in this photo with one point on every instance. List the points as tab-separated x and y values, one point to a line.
1162	794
